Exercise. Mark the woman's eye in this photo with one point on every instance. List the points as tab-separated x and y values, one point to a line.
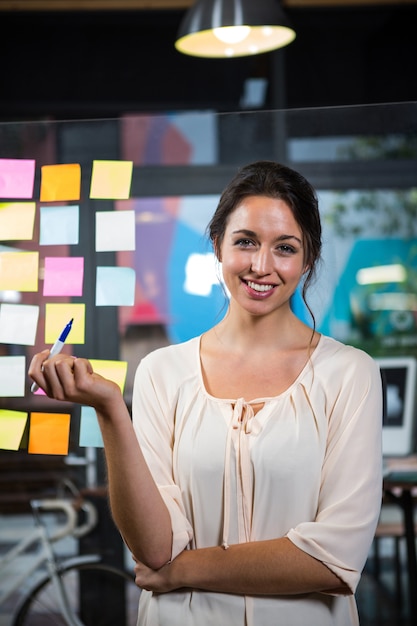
286	249
244	243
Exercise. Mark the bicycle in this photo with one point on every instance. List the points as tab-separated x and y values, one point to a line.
64	591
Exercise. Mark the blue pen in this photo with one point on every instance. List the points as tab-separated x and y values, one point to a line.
57	347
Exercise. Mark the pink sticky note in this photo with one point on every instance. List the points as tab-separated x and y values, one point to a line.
17	177
63	276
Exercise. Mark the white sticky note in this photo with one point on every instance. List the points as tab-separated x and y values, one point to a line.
18	323
115	230
12	376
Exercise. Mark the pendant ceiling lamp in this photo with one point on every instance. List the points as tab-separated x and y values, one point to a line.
233	28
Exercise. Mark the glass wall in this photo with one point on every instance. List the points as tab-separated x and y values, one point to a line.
104	222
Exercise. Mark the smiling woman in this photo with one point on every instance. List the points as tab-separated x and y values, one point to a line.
262	252
246	486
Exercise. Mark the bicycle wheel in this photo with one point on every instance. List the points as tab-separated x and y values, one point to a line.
98	594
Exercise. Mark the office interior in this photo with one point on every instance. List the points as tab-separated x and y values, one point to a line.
93	81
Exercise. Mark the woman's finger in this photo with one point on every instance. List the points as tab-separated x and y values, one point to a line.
58	373
35	370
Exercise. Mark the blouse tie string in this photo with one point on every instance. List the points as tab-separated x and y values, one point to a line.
243	423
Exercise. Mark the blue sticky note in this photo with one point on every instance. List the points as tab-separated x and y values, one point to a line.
90	434
115	286
59	225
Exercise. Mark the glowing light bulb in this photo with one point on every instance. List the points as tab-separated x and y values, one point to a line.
232	34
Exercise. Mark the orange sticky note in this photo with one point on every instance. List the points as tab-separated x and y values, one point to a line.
60	182
49	433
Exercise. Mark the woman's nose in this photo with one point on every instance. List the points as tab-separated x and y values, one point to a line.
262	261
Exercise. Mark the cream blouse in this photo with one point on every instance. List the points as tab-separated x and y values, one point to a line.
306	466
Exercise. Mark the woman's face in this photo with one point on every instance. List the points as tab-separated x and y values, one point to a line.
262	254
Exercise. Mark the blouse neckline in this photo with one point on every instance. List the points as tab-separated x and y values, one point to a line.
262	399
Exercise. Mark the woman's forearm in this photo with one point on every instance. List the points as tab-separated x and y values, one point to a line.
272	567
269	567
136	504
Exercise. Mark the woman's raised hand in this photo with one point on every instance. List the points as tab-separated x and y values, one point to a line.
72	379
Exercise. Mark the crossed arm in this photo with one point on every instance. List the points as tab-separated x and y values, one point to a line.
271	567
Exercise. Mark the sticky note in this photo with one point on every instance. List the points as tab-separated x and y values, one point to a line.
60	182
115	230
111	180
12	376
17	220
115	286
17	177
113	370
90	434
19	271
63	276
49	433
12	427
18	323
57	317
59	225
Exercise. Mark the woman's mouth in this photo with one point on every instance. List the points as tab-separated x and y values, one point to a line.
259	287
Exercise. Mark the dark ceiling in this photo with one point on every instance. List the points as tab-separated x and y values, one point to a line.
104	64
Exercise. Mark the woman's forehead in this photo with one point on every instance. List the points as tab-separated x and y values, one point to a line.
262	212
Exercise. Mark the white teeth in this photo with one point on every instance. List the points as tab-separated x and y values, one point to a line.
258	287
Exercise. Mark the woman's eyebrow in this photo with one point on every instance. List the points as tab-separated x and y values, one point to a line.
286	237
244	231
251	233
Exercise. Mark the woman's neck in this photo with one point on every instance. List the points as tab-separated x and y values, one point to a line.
282	330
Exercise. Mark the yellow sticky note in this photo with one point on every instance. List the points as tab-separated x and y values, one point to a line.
12	427
60	182
49	433
111	180
57	317
19	271
113	370
17	220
